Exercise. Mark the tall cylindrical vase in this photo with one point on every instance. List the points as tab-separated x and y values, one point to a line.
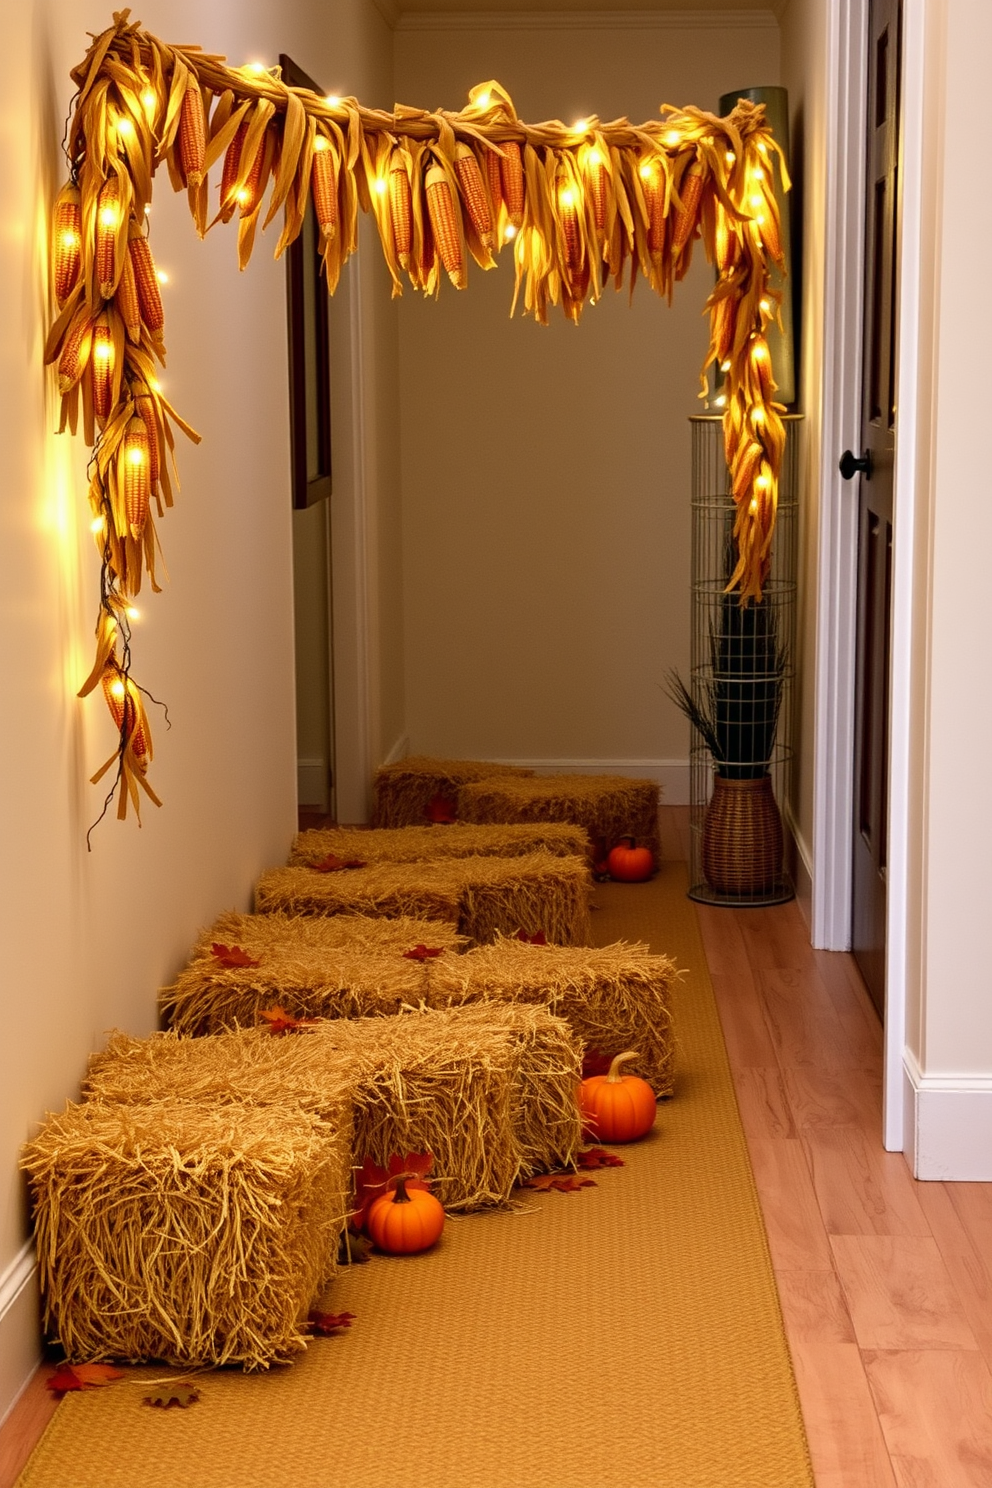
742	838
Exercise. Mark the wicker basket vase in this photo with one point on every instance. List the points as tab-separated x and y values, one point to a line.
742	837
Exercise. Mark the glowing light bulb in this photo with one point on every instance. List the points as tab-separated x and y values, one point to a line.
762	483
646	172
766	307
117	688
135	455
148	209
154	384
256	67
103	351
332	100
148	99
757	201
509	232
580	126
320	144
242	197
97	524
721	401
69	239
109	216
161	276
594	157
673	138
731	158
132	613
757	416
567	196
725	366
753	507
757	174
484	100
762	147
759	351
126	128
381	185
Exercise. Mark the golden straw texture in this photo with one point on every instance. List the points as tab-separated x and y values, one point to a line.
608	807
195	1234
483	896
402	793
453	840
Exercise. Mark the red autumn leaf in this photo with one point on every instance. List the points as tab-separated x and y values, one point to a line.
83	1377
423	953
560	1182
281	1022
595	1157
538	938
329	1324
595	1063
371	1181
232	956
441	810
180	1396
333	864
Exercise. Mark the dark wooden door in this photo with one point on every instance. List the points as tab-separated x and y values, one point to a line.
878	418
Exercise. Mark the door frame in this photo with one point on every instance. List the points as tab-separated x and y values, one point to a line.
833	782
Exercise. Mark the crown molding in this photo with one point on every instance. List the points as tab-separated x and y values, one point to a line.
586	20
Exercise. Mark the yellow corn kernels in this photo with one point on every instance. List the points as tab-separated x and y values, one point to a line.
192	136
127	300
146	282
137	475
400	208
474	194
145	409
75	352
67	243
494	182
688	214
441	208
125	709
511	170
596	176
324	186
102	369
108	217
569	218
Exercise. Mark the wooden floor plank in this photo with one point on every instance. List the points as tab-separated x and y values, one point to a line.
846	1442
830	1097
796	1236
814	1307
24	1425
935	1409
763	1103
900	1294
861	1189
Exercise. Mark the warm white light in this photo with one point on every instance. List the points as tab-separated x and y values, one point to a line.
753	508
762	483
381	185
567	196
242	197
154	384
256	67
69	239
332	100
766	307
725	366
148	99
132	613
125	127
319	144
721	400
580	126
759	352
136	455
594	157
148	209
161	276
762	147
103	351
117	688
646	172
509	232
757	201
97	524
109	216
673	137
757	415
484	100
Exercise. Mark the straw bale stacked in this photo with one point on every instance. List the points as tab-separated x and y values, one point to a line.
488	1089
482	896
452	840
194	1234
402	793
607	806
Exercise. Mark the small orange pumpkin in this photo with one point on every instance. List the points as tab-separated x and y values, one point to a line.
617	1107
405	1221
628	863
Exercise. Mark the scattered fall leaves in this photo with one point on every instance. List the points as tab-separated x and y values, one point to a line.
280	1021
596	1157
560	1182
422	952
180	1395
333	864
441	810
372	1181
329	1324
353	1249
231	956
83	1377
538	938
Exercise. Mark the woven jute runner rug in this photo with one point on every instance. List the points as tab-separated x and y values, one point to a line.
627	1334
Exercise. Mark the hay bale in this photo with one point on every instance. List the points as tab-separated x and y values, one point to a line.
613	997
483	896
197	1235
607	806
402	793
457	840
306	964
489	1090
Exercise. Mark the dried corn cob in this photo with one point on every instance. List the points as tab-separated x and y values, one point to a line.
145	409
192	136
146	280
67	243
474	194
723	323
75	352
102	369
745	467
688	213
229	173
125	709
127	300
324	186
596	173
137	475
400	208
248	195
569	218
761	361
726	241
511	172
765	223
494	182
426	252
442	210
108	217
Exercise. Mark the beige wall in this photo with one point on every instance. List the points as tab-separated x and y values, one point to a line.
546	471
89	937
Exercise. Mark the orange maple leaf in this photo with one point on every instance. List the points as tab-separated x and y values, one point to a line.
329	1324
231	956
83	1377
595	1157
560	1182
423	953
333	864
280	1021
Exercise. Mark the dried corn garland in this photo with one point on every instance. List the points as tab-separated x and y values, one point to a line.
578	207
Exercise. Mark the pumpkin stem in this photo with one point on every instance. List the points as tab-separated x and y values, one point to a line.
401	1196
629	841
614	1077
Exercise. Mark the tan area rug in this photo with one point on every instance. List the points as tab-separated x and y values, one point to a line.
626	1335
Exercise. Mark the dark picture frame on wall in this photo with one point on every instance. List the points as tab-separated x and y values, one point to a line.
309	348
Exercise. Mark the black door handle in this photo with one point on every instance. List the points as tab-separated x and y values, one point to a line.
851	465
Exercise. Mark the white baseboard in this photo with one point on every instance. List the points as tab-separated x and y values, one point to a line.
802	866
948	1125
672	775
20	1339
311	783
399	751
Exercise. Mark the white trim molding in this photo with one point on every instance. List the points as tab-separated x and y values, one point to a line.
836	623
586	20
399	751
672	775
20	1335
15	1276
948	1124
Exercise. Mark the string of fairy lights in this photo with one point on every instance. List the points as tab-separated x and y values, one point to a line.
577	206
